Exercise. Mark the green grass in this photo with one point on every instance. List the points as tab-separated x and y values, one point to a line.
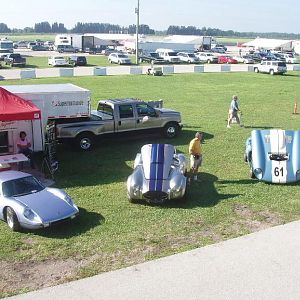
30	37
111	232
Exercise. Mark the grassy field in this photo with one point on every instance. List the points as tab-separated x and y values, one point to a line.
111	232
30	37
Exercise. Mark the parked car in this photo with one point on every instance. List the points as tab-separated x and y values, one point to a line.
15	59
109	51
158	175
20	44
31	44
289	58
190	58
151	57
271	67
39	48
77	60
207	57
246	59
225	59
168	55
119	58
94	50
49	44
258	56
273	155
26	203
57	61
218	50
66	48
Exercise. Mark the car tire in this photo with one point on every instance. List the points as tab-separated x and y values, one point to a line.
170	130
245	157
256	70
208	61
252	174
85	141
12	219
271	72
119	62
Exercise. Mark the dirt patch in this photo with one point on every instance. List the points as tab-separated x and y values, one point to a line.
34	275
256	220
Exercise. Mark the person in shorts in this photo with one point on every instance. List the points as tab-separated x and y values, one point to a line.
195	151
24	145
233	111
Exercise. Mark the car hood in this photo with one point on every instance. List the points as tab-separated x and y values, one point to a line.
47	204
166	111
157	160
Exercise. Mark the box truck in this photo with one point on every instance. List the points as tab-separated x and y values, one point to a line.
56	101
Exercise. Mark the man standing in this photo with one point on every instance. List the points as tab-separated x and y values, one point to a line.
233	111
195	152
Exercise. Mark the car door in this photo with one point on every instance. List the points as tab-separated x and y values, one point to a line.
146	117
126	118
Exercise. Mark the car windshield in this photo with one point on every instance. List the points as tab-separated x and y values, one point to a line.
172	53
191	55
122	56
21	186
153	54
281	64
59	57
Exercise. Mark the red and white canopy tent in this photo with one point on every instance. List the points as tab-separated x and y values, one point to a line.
18	114
13	107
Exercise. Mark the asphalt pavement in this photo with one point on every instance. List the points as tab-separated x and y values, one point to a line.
261	265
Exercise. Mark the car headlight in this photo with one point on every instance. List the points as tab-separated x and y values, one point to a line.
258	173
69	200
29	214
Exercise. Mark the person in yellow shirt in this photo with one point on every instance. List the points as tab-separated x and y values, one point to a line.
195	151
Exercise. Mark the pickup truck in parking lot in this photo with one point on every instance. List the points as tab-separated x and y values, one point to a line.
15	59
119	116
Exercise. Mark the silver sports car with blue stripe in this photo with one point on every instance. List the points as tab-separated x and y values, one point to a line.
158	175
26	203
274	155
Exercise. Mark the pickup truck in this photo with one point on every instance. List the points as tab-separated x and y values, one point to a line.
151	57
119	116
15	59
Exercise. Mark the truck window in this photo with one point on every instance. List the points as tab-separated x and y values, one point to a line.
126	111
145	110
105	109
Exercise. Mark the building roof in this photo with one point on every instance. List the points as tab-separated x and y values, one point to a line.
267	43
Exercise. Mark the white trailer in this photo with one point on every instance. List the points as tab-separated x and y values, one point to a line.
56	102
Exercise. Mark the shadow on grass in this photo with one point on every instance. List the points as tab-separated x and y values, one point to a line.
259	127
67	229
111	159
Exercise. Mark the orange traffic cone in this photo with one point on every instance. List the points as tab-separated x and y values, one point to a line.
295	112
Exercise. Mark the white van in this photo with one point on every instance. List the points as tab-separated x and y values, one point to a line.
168	55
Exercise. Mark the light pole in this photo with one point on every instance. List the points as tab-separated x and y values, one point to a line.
137	11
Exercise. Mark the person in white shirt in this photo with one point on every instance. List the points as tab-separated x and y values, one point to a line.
24	145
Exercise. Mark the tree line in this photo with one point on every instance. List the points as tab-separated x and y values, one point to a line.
46	27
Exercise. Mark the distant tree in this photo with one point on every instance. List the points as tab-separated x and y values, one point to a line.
4	28
43	27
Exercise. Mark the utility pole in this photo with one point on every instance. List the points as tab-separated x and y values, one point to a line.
137	11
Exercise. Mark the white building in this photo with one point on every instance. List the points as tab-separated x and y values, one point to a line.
270	44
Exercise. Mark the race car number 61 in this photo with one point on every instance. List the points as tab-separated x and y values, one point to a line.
278	171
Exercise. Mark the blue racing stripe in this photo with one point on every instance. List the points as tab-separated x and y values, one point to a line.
160	167
153	167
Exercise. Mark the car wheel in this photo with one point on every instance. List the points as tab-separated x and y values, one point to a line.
171	130
12	219
208	61
85	141
252	174
245	157
271	72
119	62
256	70
110	61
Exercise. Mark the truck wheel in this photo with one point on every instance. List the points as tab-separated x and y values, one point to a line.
85	141
12	219
256	70
271	72
171	130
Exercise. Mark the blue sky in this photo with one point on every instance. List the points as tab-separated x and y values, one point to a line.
239	15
